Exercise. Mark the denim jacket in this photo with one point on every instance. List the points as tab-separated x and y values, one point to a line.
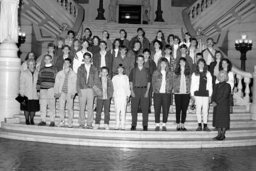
157	81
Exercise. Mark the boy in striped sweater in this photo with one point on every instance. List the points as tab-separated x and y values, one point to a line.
45	84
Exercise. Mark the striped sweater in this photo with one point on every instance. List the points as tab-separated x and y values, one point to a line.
46	77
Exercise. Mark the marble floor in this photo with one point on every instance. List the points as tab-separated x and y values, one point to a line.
30	156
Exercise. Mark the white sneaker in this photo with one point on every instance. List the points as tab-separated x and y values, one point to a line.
96	126
106	126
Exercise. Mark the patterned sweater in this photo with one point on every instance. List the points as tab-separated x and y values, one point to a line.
46	77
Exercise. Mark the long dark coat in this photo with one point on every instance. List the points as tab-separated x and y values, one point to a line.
221	112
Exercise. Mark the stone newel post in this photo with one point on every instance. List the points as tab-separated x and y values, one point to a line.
9	61
253	105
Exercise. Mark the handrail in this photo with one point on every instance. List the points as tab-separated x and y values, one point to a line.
187	22
79	19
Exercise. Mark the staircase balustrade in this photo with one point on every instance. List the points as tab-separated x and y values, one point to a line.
70	6
198	7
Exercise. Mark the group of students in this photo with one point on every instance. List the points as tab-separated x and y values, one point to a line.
100	71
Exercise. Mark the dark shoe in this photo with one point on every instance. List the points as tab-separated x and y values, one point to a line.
199	128
157	128
32	122
27	122
221	138
217	137
149	111
145	128
178	128
52	124
133	128
206	129
164	128
183	129
89	127
42	123
81	126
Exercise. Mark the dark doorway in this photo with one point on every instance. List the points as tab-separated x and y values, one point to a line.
130	14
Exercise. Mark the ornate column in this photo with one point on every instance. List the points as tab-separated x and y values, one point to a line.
100	11
9	61
253	105
159	12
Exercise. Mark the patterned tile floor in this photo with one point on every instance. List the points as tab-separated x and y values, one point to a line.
32	156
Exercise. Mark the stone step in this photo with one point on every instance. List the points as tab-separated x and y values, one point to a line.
151	116
190	125
114	134
126	139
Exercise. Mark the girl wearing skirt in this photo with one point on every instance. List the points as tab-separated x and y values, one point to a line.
28	82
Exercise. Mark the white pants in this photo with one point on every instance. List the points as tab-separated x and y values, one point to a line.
202	106
120	105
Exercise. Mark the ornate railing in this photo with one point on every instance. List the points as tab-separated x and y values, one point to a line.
198	7
70	6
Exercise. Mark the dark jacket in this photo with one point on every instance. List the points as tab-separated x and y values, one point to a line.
145	43
151	66
108	61
176	84
221	112
81	77
60	61
110	88
157	81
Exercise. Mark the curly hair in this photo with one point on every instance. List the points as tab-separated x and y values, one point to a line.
197	72
229	65
178	68
160	43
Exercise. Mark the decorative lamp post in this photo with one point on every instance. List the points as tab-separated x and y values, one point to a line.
243	45
101	11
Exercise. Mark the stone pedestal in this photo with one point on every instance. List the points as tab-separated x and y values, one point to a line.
9	83
253	105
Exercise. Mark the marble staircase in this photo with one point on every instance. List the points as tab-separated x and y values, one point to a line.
241	133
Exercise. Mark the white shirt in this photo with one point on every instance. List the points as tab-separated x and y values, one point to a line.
175	48
103	58
163	84
116	52
121	86
208	57
78	60
157	56
87	67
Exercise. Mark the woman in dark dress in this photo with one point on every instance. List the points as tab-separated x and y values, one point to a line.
220	101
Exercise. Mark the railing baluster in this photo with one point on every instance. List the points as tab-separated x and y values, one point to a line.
239	86
247	89
70	8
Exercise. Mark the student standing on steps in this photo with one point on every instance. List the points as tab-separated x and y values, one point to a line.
104	99
28	80
201	91
220	101
45	84
181	89
87	78
65	90
140	84
121	96
162	80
